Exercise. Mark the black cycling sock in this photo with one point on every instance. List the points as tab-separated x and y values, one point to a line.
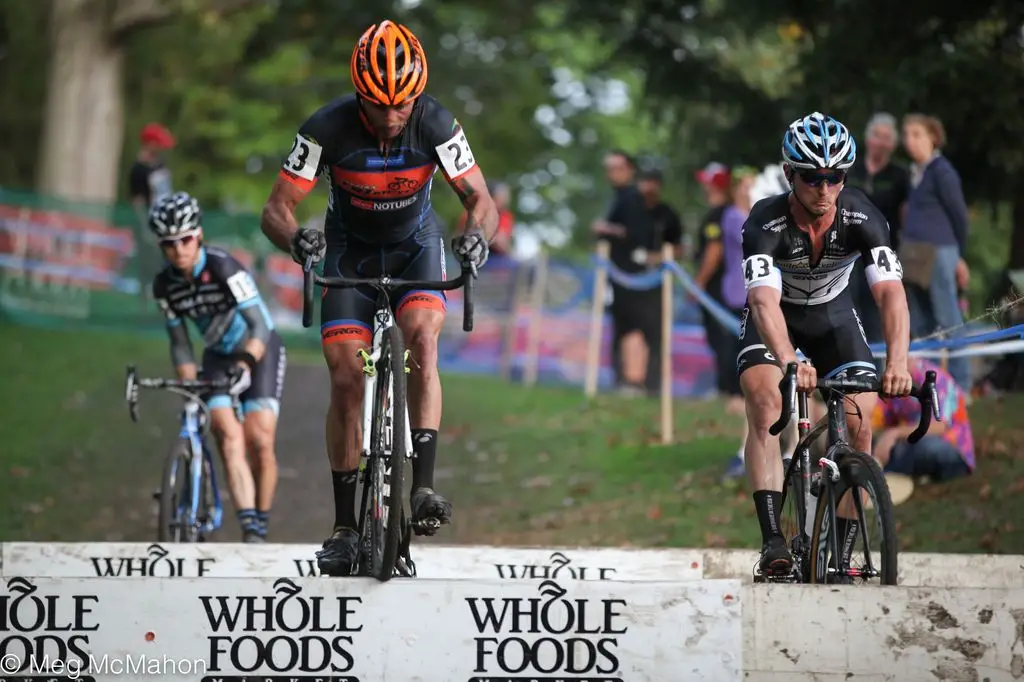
847	531
263	516
424	444
768	504
345	498
247	519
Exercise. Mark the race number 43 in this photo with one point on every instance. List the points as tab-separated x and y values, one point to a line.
304	158
886	265
455	155
758	270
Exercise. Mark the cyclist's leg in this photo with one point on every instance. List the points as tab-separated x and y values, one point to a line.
346	316
759	375
230	437
261	405
420	315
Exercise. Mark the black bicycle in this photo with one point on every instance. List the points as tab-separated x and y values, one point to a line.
190	503
819	554
385	528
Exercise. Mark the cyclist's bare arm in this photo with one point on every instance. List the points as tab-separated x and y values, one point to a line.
892	304
181	351
278	219
764	302
482	214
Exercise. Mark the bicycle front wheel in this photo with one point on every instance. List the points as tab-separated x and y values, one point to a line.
854	539
175	495
387	473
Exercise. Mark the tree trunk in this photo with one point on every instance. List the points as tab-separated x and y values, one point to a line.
84	123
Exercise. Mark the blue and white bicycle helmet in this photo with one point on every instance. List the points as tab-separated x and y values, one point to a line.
818	141
175	215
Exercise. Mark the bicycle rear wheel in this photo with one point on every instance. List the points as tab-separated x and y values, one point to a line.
870	550
387	471
175	495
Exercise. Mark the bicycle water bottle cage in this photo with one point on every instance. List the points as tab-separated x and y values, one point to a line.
369	368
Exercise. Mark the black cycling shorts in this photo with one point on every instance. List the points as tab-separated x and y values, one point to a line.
829	334
267	378
347	314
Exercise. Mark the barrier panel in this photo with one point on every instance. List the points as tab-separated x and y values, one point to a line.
359	630
453	562
896	634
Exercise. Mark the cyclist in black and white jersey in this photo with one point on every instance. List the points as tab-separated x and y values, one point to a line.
798	251
210	288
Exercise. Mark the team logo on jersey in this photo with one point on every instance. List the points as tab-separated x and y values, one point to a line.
852	217
384	205
777	225
396	184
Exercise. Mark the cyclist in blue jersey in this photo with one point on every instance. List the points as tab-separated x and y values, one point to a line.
379	149
212	289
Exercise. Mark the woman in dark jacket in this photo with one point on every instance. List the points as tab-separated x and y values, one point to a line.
934	237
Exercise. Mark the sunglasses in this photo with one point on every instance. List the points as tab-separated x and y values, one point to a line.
814	178
175	241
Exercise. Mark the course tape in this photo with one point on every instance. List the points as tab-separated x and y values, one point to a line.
963	346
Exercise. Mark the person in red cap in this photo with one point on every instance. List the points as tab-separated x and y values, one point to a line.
149	179
716	180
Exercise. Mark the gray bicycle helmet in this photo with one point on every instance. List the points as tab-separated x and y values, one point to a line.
175	215
818	141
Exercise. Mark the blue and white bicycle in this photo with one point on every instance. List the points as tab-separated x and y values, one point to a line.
190	503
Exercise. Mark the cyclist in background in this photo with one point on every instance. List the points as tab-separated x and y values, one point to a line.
379	149
209	287
799	249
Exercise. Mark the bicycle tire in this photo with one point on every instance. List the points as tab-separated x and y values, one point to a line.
174	483
390	373
860	470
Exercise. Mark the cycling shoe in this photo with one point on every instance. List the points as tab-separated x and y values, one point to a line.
776	561
429	511
339	552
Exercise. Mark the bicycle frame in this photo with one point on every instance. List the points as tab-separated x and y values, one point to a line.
383	319
192	431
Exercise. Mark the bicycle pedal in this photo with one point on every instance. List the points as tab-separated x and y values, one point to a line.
427	526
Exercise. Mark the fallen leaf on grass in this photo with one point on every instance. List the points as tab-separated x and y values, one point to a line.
715	541
985	493
988	541
19	472
537	482
654	512
684	482
1017	486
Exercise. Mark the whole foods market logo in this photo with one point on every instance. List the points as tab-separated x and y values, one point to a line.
306	637
559	565
157	562
45	632
550	638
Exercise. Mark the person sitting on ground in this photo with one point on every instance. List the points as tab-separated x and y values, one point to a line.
946	451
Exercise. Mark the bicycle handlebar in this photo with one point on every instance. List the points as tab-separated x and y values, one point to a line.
385	283
183	386
926	394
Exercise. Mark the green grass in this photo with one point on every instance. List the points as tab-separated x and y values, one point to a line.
535	466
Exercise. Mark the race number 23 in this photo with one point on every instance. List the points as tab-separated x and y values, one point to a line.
455	155
757	269
304	158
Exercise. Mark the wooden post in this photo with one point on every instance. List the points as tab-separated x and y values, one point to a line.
540	285
667	280
508	344
596	318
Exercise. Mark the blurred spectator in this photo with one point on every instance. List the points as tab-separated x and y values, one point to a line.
946	451
734	296
668	229
502	195
715	181
636	331
149	179
934	240
887	184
